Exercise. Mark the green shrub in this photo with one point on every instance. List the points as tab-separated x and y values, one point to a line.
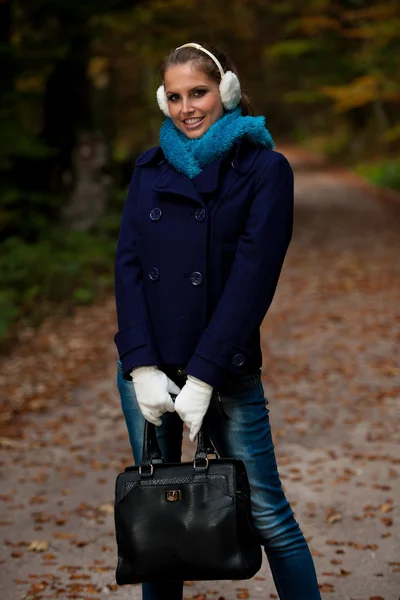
64	268
385	173
8	310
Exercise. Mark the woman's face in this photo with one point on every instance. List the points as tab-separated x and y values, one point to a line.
193	99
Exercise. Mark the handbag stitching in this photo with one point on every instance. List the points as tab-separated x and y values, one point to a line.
218	481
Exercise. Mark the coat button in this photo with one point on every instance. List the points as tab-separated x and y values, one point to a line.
200	214
196	278
238	360
155	214
154	273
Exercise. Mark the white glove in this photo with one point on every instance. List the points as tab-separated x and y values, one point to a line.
153	389
192	404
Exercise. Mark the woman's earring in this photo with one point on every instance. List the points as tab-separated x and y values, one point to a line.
229	90
162	100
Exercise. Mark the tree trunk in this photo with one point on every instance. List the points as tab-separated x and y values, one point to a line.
7	108
88	196
83	156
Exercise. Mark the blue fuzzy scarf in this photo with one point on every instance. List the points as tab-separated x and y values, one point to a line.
190	156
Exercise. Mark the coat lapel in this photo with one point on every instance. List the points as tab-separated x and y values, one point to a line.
207	181
234	165
241	160
175	183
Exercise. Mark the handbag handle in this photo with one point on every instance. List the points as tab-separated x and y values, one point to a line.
151	450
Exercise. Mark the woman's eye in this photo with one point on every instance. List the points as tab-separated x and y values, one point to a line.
173	97
199	93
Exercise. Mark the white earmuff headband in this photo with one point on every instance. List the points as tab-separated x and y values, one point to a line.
229	86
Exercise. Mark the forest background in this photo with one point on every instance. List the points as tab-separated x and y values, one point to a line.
77	106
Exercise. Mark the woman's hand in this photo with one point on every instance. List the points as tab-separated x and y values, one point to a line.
153	389
192	404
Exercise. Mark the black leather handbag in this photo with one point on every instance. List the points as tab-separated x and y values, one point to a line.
184	521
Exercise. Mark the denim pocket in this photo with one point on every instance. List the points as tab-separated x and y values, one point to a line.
242	383
249	395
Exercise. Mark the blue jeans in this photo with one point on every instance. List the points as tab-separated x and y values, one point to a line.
239	427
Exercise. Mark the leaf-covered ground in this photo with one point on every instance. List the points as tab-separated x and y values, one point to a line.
331	374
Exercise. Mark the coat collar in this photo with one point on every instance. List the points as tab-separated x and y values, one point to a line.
241	159
245	153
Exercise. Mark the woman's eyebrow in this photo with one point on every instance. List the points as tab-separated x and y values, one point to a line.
196	87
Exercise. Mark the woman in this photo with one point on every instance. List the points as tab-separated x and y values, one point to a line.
205	230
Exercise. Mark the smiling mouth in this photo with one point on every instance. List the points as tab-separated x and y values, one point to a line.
193	121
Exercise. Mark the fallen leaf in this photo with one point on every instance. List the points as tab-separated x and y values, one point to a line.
38	546
386	507
107	508
333	516
326	587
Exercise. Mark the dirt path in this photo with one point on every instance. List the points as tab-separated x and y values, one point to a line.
332	375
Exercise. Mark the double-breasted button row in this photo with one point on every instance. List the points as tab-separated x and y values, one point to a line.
196	278
156	214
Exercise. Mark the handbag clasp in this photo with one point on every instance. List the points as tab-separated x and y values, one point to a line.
173	495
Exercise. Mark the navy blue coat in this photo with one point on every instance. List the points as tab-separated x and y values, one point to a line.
198	261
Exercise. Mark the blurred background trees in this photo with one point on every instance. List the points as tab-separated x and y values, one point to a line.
77	105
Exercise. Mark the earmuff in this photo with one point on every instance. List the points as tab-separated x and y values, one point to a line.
229	86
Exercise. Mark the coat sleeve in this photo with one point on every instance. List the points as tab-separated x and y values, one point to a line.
135	341
249	290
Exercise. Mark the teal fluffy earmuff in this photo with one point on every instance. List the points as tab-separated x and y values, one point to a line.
229	87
